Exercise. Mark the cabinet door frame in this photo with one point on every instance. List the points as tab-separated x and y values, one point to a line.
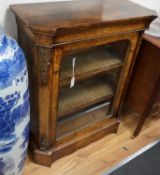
61	50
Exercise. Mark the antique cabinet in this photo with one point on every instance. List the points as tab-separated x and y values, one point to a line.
80	55
143	94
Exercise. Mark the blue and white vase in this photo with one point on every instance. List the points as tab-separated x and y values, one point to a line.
14	107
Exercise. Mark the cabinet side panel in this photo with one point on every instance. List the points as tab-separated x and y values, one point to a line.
143	80
30	52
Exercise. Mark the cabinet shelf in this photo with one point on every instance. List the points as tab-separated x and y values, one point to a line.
89	63
84	94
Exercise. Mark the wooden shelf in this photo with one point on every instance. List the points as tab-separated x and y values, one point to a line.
89	63
82	120
84	94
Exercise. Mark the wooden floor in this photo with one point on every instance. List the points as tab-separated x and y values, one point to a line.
103	154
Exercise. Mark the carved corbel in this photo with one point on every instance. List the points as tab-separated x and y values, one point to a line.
44	64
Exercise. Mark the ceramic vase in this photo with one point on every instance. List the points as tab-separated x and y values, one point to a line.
14	107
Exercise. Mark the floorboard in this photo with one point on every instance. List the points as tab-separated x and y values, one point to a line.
103	154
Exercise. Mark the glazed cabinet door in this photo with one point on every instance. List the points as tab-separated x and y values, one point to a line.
89	81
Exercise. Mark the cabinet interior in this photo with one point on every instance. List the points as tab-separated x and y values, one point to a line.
96	71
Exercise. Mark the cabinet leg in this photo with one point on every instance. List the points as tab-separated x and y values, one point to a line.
151	101
140	125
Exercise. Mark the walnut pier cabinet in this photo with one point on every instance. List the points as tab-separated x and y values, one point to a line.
80	56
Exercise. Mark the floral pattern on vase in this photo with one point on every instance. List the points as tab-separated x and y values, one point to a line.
14	107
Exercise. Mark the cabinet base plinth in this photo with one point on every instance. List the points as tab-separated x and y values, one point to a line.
46	158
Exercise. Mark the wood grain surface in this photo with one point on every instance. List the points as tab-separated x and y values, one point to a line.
55	15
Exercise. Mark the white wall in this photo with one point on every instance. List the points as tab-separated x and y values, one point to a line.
7	19
152	4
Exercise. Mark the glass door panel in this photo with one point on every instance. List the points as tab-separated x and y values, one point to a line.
88	83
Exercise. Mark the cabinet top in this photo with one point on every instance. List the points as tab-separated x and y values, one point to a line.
153	40
51	16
